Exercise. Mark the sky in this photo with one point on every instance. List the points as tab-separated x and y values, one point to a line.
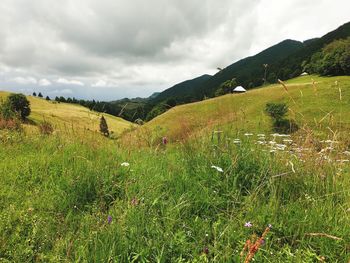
111	49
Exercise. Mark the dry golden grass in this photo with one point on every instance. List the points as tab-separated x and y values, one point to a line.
67	117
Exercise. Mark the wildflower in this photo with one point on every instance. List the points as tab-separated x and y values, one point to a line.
248	134
125	164
109	219
165	140
269	225
219	169
134	201
206	250
248	224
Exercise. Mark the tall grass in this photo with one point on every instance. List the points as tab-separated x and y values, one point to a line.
73	201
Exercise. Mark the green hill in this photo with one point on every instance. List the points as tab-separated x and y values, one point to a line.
284	60
318	106
182	92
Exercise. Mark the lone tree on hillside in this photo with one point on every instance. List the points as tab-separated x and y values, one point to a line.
20	105
47	98
104	127
40	95
34	94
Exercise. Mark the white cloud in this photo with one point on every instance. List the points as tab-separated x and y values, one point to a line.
103	83
44	82
25	80
69	82
62	91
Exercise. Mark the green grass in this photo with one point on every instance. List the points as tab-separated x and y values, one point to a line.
319	109
170	205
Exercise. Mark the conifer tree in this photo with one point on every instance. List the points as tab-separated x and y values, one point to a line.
104	127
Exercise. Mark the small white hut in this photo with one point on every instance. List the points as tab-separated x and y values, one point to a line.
304	74
239	89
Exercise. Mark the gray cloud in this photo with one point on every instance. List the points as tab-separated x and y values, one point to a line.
108	49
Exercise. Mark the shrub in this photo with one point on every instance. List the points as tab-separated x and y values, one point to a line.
10	124
104	127
20	105
8	118
45	128
278	111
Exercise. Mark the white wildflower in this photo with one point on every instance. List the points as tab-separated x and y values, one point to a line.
125	164
217	168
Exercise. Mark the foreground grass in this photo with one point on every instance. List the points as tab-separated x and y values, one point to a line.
169	205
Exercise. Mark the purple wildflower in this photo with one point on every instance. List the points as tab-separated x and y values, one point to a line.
165	140
109	219
262	241
206	250
248	224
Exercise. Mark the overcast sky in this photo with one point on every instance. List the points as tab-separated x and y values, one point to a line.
110	49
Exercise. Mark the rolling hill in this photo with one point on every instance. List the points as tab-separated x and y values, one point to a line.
317	106
70	117
284	60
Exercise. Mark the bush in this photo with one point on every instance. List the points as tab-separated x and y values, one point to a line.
278	111
8	118
45	128
20	105
10	124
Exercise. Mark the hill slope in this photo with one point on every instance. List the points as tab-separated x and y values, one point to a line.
183	91
70	117
285	60
308	104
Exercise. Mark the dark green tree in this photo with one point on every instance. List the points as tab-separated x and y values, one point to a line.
103	126
19	104
40	95
333	60
34	94
47	98
226	87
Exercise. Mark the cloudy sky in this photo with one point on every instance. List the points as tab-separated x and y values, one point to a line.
110	49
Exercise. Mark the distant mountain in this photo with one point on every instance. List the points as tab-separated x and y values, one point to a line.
294	64
182	92
284	60
154	95
249	72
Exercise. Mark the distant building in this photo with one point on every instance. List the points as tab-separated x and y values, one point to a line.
304	74
239	89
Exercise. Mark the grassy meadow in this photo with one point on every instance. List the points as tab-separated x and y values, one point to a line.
314	102
201	199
